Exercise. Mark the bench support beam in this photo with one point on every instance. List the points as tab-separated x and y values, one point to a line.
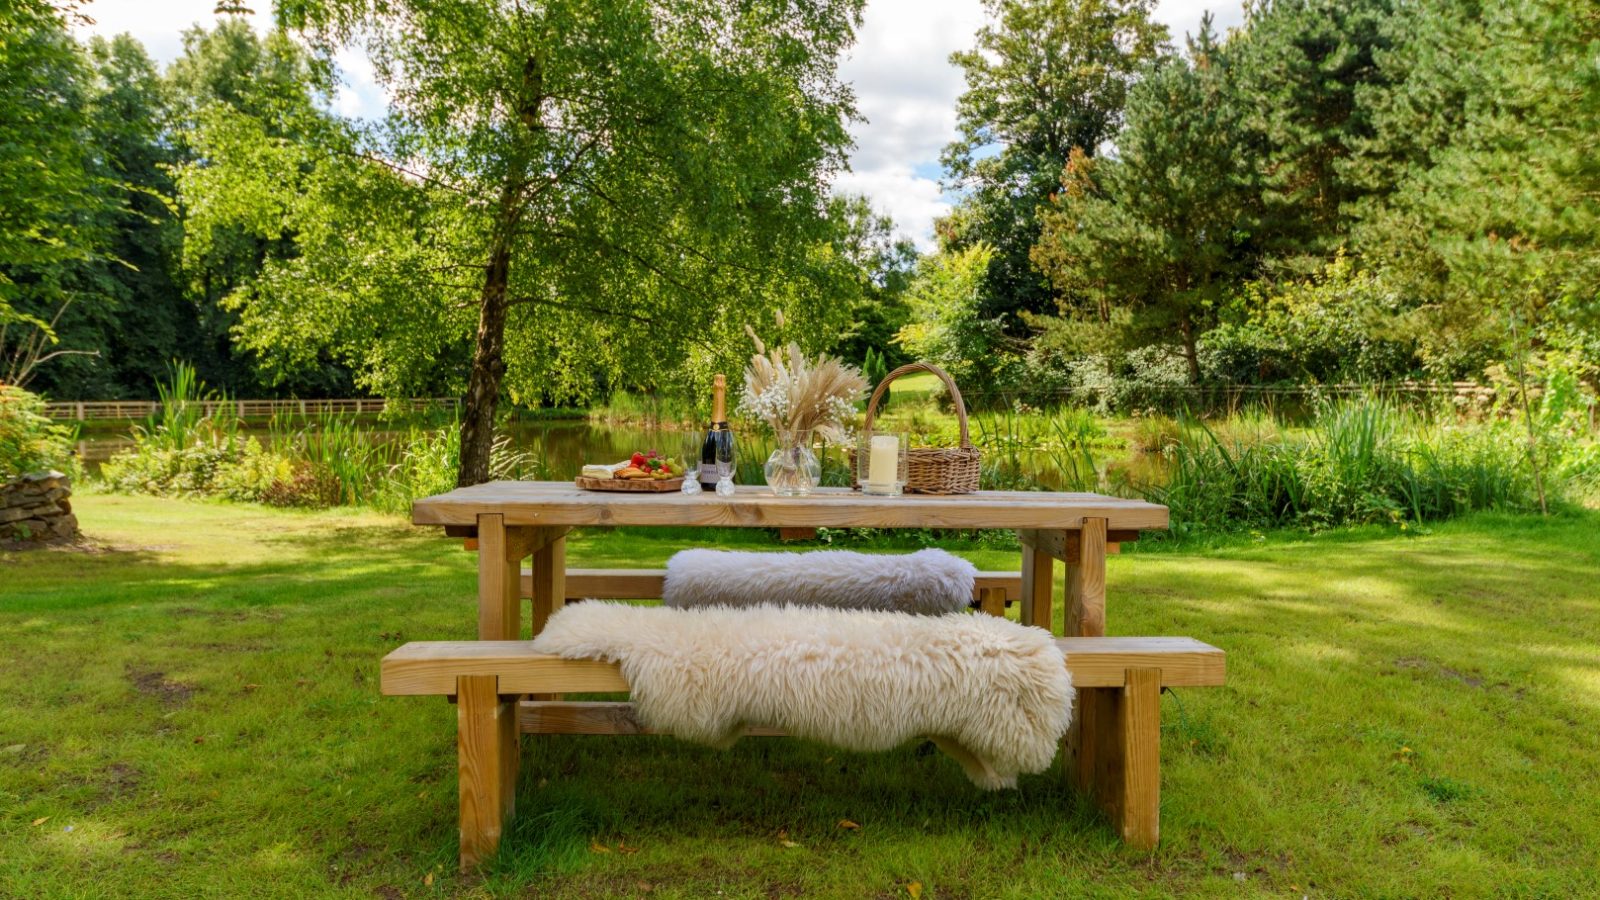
488	750
1118	763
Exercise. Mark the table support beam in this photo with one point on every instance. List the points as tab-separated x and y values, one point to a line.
1038	587
1086	583
548	577
500	552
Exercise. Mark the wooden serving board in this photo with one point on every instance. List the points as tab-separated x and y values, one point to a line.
647	485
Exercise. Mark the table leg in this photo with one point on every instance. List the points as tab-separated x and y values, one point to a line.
1038	587
1086	583
549	581
1085	616
500	552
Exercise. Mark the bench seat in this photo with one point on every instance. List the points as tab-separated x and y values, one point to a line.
1119	682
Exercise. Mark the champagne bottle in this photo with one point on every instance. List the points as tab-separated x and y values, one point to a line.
716	452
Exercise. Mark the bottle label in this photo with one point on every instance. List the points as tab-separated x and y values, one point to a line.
711	473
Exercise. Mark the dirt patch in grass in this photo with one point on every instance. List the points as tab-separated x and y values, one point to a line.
152	683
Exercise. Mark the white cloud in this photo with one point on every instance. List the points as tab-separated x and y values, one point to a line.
906	88
159	24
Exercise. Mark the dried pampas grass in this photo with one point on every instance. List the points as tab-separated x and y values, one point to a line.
796	395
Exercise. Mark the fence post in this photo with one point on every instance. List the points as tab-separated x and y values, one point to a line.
80	411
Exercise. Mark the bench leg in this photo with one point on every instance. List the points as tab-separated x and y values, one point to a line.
488	750
1119	760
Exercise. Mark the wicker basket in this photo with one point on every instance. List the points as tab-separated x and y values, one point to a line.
931	470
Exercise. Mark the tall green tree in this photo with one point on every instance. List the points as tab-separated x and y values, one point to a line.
232	70
949	328
1147	244
1045	77
576	190
1490	230
883	265
50	196
134	311
1303	69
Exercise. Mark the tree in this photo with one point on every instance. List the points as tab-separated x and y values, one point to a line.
1150	242
883	265
948	327
1490	228
136	315
577	189
1303	69
1046	76
272	81
47	188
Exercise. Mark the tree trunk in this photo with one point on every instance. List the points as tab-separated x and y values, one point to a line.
1191	352
488	357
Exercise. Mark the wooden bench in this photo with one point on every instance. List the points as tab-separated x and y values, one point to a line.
1119	682
992	592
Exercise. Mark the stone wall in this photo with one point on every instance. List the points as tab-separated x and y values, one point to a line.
37	506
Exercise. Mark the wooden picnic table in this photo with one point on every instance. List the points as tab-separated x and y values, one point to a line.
1112	746
513	520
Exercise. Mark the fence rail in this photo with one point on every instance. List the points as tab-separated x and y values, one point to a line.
132	410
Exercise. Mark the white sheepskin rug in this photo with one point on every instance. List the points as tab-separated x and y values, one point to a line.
993	694
930	582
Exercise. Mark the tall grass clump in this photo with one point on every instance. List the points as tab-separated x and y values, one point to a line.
195	445
1358	461
1021	447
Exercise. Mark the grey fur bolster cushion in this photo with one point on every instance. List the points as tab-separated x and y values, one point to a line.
929	582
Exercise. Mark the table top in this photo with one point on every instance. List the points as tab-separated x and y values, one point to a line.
561	503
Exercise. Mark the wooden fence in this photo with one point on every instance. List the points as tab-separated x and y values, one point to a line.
133	410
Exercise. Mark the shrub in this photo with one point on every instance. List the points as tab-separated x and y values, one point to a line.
29	441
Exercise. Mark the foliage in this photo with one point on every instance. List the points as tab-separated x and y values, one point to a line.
608	195
29	441
51	190
1304	70
1045	78
948	328
884	266
1149	243
1361	461
195	445
1492	221
1329	328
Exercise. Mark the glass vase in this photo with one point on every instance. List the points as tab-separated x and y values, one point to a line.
793	470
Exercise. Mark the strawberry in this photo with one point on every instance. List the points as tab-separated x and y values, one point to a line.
637	461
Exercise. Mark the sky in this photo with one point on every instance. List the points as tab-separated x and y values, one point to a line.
905	86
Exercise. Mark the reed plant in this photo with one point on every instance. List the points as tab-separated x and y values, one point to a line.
1359	461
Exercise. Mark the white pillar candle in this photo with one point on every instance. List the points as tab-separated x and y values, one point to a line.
883	466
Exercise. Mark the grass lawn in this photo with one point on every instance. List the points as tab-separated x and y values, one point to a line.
194	711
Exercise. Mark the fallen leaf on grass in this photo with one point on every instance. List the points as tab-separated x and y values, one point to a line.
427	880
915	890
849	825
597	847
622	847
788	844
40	821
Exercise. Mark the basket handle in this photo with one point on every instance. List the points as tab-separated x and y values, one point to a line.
942	375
